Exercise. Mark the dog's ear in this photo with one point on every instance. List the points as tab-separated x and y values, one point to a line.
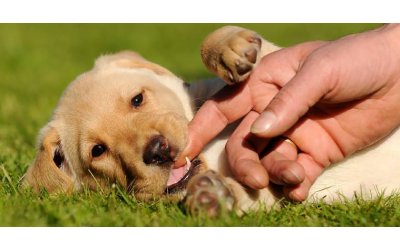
49	169
129	59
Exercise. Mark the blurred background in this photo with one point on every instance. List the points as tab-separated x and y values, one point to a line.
37	61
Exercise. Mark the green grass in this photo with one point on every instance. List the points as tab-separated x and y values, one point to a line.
37	61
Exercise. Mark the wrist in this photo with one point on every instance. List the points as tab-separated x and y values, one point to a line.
392	34
394	27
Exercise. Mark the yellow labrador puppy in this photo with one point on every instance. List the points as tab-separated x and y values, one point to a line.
125	122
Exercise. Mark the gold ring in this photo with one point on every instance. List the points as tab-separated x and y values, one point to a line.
291	143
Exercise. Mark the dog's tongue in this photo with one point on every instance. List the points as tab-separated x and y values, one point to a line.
177	174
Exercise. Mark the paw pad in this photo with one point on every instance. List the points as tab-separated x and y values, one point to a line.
208	194
231	52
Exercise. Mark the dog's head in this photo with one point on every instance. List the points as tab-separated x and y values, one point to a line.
124	122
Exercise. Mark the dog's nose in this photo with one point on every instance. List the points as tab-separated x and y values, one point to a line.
157	151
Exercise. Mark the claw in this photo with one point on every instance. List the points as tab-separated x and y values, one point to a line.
230	76
251	55
242	68
256	40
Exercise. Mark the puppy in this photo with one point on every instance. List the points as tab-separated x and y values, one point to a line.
125	122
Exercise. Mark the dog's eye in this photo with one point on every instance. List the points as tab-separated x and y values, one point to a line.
137	100
98	150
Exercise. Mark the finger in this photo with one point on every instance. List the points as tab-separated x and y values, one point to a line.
312	170
311	82
243	157
225	107
312	137
279	67
298	192
282	166
286	147
273	72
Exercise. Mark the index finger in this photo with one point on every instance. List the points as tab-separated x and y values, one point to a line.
227	106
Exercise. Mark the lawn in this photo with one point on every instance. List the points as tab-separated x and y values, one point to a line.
37	61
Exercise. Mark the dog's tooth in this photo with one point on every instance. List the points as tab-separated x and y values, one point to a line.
188	164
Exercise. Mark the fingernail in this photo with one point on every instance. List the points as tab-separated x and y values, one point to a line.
252	182
290	177
263	123
293	196
179	163
297	195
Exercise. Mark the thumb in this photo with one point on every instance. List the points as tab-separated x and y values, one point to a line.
310	84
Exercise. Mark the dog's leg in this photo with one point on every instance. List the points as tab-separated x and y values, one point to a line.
231	52
209	194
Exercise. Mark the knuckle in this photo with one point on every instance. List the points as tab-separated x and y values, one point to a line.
214	108
284	98
323	61
230	150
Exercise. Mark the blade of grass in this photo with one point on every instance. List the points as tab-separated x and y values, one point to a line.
8	178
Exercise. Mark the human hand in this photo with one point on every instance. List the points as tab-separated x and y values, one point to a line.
330	98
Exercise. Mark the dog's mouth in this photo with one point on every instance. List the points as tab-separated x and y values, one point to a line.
179	178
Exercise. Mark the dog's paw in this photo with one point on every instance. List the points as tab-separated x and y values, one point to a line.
231	52
208	194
